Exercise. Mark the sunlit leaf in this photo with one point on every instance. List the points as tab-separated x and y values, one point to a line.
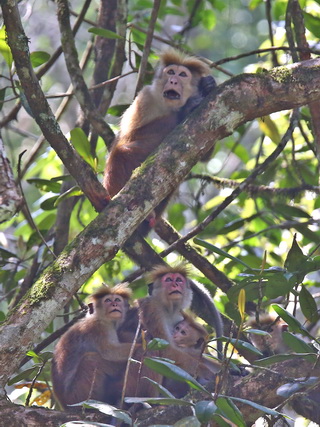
4	47
269	128
38	58
242	303
43	398
82	145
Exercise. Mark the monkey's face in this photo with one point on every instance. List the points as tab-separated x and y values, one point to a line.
174	286
114	306
181	335
177	85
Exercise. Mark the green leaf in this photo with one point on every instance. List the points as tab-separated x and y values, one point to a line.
72	192
162	390
230	410
296	344
24	375
118	110
102	32
107	409
209	19
290	211
49	204
157	344
82	145
38	58
239	344
158	401
205	410
312	23
4	47
293	323
269	128
172	371
219	251
267	361
262	408
308	305
45	184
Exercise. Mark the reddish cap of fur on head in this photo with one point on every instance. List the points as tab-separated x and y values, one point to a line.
161	269
171	56
122	289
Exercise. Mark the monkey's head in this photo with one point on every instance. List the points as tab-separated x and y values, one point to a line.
273	342
178	78
110	303
171	284
189	333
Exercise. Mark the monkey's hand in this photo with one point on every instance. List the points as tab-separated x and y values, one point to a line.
206	85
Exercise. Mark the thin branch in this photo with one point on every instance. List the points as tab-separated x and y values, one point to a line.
241	187
256	190
80	88
147	45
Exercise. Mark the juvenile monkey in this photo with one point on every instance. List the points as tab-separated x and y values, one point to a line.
161	311
179	85
272	343
89	361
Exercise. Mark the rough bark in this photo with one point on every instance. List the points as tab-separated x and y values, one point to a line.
10	197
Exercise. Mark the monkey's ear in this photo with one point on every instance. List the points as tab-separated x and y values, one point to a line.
150	288
90	307
199	343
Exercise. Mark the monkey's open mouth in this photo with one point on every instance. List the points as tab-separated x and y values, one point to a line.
116	309
175	292
171	94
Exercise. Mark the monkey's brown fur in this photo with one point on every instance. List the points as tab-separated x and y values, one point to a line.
154	113
89	361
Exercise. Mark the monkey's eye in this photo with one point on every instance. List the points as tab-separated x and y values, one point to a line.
178	279
168	279
183	74
107	300
117	300
171	71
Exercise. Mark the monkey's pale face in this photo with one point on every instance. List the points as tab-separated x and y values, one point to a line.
114	306
177	84
174	285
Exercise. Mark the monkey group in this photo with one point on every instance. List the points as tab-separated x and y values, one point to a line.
91	357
